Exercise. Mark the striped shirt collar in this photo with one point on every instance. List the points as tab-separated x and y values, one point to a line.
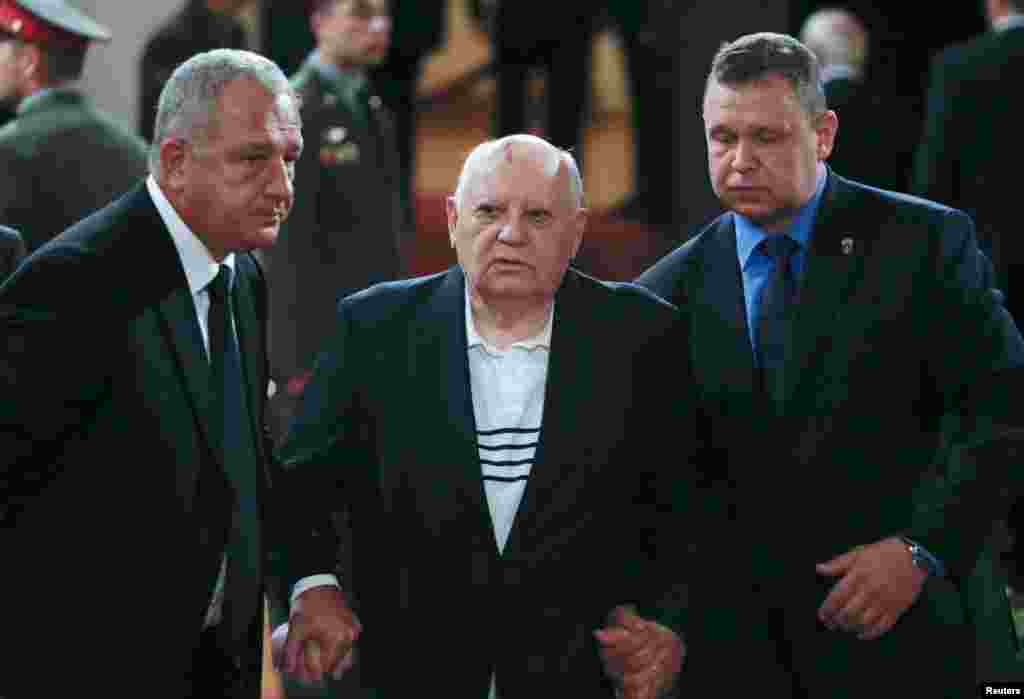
540	340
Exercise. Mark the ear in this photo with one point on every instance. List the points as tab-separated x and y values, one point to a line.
826	129
316	21
452	213
31	65
174	155
579	225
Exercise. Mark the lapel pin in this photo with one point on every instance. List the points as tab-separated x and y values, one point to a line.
847	245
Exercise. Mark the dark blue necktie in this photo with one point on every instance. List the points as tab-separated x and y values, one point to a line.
242	592
773	311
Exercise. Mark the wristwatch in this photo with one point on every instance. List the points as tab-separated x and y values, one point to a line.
919	557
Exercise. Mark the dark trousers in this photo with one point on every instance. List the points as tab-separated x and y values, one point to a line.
221	669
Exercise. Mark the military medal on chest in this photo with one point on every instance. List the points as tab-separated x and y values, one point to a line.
335	149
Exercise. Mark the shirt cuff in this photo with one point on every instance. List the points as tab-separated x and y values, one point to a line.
312	581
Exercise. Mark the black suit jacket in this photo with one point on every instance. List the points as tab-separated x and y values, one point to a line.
888	375
877	132
108	460
964	156
387	430
12	250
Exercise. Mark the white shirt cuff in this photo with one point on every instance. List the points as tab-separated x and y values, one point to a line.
312	581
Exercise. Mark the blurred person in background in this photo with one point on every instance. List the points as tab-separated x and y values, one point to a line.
876	143
344	232
61	158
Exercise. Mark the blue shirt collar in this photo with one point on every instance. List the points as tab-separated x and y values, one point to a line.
749	234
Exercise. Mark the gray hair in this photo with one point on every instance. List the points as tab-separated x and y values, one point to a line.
187	105
755	57
486	156
837	37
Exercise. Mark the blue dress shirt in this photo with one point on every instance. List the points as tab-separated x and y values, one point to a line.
757	267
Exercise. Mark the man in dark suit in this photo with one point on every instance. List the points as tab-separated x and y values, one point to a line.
972	105
343	234
961	160
61	159
12	250
495	501
876	144
200	25
418	28
134	479
527	35
854	361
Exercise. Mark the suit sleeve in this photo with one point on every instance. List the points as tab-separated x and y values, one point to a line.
976	363
47	396
311	463
667	446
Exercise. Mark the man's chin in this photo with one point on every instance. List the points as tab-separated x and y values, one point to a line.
762	216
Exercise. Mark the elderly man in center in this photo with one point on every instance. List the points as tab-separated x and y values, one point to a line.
487	433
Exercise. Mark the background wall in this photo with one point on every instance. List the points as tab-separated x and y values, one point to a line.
112	70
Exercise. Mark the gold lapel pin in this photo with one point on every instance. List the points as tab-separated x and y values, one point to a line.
847	245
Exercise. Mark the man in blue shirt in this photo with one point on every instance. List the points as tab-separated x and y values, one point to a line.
858	365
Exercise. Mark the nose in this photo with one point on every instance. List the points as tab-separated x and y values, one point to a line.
279	185
512	232
744	158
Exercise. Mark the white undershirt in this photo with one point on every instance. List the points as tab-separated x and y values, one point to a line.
200	269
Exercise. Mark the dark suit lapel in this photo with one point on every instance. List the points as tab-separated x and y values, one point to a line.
559	465
248	327
833	264
722	355
444	329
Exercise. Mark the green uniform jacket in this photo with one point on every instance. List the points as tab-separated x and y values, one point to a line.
60	160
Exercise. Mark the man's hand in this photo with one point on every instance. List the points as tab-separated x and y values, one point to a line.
642	657
879	583
319	637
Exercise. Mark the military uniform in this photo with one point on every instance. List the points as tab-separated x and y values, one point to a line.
344	230
61	159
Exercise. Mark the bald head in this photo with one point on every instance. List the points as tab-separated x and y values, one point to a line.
837	37
488	155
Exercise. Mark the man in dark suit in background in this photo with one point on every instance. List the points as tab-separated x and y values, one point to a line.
418	28
133	479
527	35
201	25
343	234
483	428
12	250
973	104
877	142
61	159
842	337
